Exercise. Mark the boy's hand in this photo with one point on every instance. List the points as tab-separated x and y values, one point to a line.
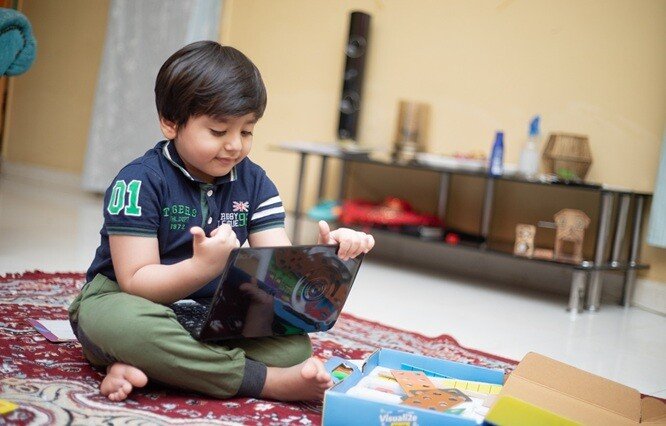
213	251
351	243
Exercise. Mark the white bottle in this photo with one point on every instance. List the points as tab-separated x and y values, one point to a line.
529	156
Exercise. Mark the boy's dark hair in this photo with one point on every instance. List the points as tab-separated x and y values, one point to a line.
206	78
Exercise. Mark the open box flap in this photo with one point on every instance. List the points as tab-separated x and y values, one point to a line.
654	411
584	391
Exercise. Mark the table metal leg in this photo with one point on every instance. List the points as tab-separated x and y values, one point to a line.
620	228
299	190
577	293
486	213
444	179
322	178
634	252
605	211
343	180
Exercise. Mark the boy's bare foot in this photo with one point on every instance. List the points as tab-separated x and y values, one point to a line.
120	380
303	382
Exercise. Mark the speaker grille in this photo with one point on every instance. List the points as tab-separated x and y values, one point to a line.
355	53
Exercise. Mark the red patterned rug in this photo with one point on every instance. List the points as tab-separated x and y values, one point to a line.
53	383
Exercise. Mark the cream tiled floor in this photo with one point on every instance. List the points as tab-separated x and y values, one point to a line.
45	227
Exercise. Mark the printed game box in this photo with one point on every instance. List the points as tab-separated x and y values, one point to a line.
370	396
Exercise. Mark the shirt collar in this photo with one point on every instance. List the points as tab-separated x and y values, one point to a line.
170	153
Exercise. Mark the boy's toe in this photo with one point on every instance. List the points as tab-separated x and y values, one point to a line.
323	377
309	370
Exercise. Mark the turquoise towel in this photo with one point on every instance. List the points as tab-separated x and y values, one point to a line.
17	44
657	229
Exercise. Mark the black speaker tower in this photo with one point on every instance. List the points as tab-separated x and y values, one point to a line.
356	52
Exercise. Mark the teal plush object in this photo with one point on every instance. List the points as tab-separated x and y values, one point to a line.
17	44
328	210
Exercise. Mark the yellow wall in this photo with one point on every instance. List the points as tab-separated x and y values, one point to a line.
587	67
590	67
51	104
596	68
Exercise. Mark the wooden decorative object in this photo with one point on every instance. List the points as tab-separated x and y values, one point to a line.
567	155
524	245
410	133
571	225
542	253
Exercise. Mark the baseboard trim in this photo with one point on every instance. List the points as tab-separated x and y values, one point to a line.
650	295
40	174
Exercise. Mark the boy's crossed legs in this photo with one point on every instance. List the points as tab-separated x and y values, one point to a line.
138	339
305	381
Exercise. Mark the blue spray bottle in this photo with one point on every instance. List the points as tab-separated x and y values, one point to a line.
496	165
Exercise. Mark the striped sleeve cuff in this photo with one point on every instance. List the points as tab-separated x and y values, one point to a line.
268	214
125	230
265	226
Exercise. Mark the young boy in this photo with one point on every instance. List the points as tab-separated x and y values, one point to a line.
171	218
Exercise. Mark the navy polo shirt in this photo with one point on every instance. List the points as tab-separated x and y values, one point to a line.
155	196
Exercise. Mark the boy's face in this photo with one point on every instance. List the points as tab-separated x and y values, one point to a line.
209	147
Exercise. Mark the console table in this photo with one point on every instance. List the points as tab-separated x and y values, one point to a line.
587	275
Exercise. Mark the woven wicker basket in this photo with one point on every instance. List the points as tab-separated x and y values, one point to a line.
567	155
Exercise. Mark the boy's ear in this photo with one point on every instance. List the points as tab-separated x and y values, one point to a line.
169	128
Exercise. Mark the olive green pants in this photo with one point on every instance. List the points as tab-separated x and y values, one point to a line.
114	326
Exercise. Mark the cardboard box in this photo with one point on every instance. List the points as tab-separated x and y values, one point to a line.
508	410
343	409
580	396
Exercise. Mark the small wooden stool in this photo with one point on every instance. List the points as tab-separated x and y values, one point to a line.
571	225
